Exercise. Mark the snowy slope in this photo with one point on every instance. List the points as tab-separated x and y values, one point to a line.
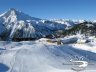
41	57
16	21
2	28
68	22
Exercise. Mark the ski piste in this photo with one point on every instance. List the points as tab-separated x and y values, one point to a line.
30	44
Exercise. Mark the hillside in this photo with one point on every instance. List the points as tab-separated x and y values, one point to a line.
16	24
43	57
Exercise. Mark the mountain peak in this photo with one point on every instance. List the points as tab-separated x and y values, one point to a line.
12	9
13	15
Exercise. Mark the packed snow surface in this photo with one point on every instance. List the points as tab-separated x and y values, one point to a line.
39	56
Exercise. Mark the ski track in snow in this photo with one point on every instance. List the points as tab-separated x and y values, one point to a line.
38	57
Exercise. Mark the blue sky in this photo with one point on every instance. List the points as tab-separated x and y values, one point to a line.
48	9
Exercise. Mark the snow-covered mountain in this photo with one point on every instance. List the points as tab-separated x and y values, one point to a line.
45	55
18	24
68	22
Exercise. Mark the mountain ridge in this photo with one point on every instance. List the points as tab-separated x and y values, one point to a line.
19	24
16	24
